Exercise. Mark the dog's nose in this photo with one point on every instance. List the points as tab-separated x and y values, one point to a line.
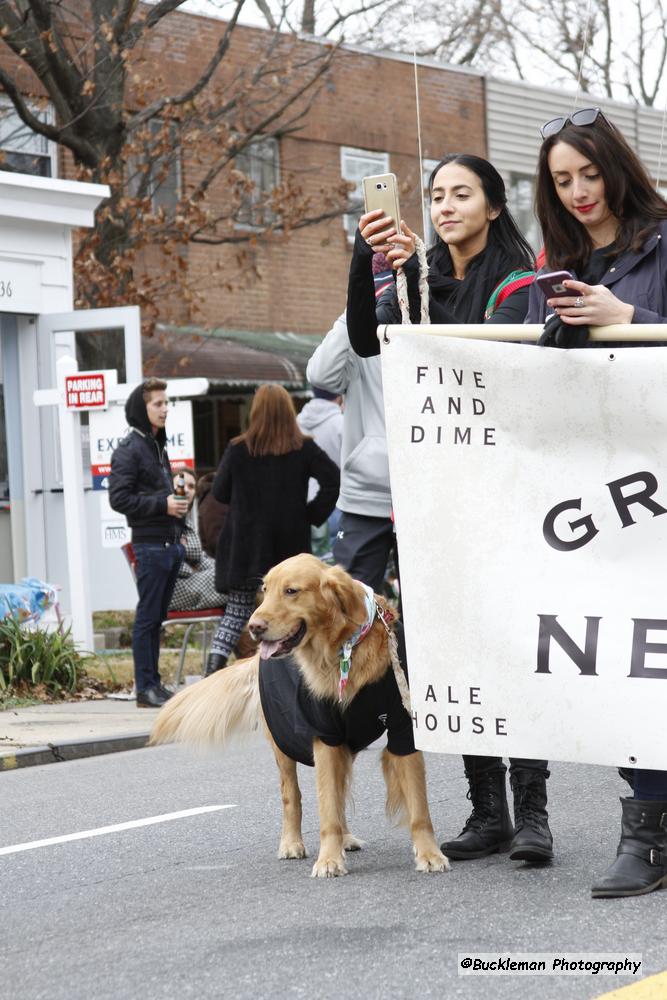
257	627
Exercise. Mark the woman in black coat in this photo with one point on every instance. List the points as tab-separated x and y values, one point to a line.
263	476
480	267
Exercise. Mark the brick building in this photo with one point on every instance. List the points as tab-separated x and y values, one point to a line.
356	127
263	321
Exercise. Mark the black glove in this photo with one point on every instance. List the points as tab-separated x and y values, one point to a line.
557	333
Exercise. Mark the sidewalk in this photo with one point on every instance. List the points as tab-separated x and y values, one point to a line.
45	734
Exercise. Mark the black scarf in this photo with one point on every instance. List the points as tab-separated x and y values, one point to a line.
454	301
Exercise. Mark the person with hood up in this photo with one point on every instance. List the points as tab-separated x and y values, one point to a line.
140	487
322	419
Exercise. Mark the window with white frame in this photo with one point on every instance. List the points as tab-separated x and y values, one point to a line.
155	171
355	164
23	150
260	162
521	196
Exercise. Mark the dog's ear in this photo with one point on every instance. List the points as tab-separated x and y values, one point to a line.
344	594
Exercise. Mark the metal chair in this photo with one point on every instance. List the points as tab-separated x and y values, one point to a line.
191	619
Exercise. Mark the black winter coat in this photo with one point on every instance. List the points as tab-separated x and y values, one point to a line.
140	479
364	314
269	517
636	277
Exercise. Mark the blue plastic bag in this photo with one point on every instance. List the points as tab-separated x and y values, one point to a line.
26	601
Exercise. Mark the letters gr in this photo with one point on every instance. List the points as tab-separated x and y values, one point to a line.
622	502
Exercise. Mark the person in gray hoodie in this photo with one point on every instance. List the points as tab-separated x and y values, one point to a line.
322	419
365	537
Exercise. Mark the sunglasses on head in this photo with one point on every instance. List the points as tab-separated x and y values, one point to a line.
584	116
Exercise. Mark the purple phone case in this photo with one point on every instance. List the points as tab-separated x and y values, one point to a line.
551	285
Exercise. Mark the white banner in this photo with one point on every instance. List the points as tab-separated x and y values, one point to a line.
528	487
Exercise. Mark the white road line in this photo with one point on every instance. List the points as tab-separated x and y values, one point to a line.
103	830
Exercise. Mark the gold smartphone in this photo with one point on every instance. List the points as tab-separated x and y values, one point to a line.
381	191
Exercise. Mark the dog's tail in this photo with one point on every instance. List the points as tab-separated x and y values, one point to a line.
213	710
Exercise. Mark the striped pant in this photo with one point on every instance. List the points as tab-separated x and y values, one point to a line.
240	605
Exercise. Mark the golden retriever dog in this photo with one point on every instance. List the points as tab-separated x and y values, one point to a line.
320	700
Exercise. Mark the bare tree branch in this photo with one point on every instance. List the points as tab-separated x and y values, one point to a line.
158	106
248	236
149	19
264	9
128	127
264	125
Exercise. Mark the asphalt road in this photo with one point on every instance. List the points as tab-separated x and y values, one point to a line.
201	907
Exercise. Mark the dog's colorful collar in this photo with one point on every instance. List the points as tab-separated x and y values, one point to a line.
386	616
345	654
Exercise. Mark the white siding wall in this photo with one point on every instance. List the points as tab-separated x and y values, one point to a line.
515	111
649	137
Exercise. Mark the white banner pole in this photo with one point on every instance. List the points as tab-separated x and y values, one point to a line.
529	331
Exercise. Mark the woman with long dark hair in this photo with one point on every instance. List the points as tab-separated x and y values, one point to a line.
603	221
480	269
263	476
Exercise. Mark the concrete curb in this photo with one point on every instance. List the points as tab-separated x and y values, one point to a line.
54	753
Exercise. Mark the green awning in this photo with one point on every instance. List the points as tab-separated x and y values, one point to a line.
229	358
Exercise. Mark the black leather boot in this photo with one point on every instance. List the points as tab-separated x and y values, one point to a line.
488	828
532	839
641	858
153	697
215	662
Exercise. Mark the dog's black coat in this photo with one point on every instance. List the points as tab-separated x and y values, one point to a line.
295	717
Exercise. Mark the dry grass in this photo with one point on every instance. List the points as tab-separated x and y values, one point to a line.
117	670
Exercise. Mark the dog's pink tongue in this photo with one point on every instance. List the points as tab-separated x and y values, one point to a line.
267	649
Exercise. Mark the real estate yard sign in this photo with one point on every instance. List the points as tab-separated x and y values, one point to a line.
107	429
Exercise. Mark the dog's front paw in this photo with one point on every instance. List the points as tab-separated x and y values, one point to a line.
432	860
328	868
292	849
352	843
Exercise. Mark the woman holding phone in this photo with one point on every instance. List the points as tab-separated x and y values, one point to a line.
480	270
603	221
480	266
